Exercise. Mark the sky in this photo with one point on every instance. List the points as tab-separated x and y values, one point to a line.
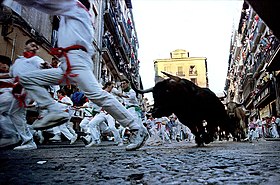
202	27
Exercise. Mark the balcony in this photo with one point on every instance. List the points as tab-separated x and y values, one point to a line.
247	83
193	73
128	3
126	31
255	42
273	64
110	22
265	95
124	50
180	73
112	25
110	58
269	56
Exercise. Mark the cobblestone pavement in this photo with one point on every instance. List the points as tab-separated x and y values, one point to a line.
177	163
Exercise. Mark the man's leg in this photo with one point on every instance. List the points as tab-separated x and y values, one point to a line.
88	83
8	132
18	118
112	126
95	130
57	134
34	82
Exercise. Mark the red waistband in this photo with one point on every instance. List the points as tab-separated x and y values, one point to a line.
59	52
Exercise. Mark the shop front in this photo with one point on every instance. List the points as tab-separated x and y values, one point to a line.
265	111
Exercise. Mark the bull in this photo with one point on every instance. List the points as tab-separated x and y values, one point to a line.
192	105
237	118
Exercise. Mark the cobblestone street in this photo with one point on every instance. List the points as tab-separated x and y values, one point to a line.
177	163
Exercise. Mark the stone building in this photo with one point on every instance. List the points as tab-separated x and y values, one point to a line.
253	68
184	66
115	37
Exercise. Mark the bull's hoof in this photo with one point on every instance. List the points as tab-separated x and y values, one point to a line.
200	144
208	139
199	141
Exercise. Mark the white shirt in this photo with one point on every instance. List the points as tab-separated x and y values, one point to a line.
23	65
8	80
131	100
64	101
75	26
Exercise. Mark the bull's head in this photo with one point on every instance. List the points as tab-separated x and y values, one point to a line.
167	94
230	108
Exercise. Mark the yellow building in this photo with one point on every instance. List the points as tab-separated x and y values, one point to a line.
183	66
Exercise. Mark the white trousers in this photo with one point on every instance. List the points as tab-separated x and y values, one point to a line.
16	114
105	123
63	129
81	63
136	115
84	123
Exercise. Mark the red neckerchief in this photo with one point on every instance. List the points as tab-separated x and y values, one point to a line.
28	54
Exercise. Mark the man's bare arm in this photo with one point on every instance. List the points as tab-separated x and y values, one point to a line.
5	75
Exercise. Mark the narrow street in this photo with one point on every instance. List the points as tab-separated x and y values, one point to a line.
176	163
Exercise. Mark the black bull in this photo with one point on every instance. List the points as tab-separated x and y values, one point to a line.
237	117
191	104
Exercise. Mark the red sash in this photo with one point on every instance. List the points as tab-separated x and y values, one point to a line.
59	52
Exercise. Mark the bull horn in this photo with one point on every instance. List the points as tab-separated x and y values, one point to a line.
176	78
241	103
225	94
140	91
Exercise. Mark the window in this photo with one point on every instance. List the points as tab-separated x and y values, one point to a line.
194	80
166	69
180	71
192	70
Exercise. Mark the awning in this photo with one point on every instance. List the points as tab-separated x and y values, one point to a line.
265	96
274	64
128	3
268	12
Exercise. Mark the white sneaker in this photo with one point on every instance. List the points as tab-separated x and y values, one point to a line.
72	141
120	143
86	139
41	137
93	143
28	146
52	119
137	139
55	138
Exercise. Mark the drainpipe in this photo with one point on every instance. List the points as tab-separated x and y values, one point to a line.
98	45
13	47
277	93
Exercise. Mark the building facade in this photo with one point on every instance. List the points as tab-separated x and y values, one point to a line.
115	37
182	65
253	66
